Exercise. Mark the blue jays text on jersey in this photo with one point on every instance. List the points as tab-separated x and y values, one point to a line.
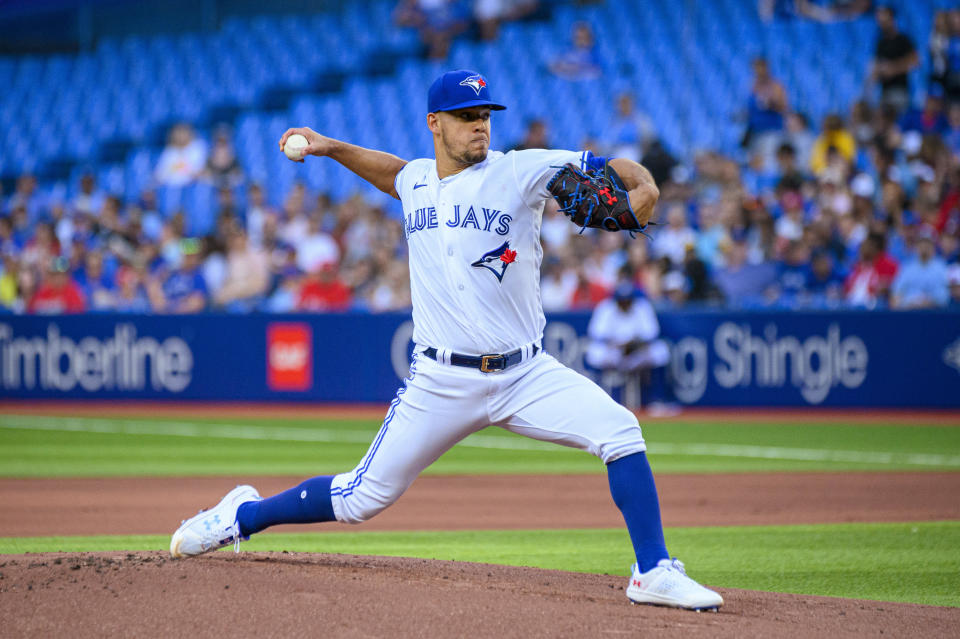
489	219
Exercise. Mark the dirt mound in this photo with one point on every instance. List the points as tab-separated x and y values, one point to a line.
279	594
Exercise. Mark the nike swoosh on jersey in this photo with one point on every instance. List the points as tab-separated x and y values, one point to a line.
417	186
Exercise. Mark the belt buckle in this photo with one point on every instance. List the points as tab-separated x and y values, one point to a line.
485	363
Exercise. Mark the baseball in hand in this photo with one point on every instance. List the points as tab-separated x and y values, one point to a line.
294	146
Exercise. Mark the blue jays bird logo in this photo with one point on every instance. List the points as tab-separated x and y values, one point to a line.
475	82
497	260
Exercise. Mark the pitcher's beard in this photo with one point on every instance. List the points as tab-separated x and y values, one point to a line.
472	157
468	157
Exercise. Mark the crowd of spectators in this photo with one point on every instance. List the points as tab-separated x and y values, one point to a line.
861	211
98	253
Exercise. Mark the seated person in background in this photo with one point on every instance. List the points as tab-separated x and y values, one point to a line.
580	62
132	295
624	337
57	293
248	275
535	137
674	289
793	272
931	119
323	291
824	285
868	283
630	131
789	177
97	287
673	239
587	293
184	290
740	282
90	199
183	159
766	109
922	282
833	138
438	21
223	167
488	14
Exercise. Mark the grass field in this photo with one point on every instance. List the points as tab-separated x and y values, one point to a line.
47	446
917	562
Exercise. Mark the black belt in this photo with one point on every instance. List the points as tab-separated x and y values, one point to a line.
486	363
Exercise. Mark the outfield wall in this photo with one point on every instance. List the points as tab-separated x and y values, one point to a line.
719	358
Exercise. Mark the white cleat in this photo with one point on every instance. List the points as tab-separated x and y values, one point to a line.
214	528
668	585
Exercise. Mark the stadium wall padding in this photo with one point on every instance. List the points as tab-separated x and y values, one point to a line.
719	358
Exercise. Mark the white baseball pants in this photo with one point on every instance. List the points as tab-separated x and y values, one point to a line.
441	404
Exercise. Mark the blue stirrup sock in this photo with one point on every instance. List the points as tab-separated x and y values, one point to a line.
635	494
307	503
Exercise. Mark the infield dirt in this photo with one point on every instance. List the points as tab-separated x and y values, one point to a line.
155	505
287	595
279	594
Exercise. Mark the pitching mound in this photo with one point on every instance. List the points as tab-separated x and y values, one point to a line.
280	594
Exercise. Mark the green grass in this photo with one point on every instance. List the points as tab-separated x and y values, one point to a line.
918	562
39	446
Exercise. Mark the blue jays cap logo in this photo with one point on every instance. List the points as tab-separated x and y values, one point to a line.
475	82
497	260
460	89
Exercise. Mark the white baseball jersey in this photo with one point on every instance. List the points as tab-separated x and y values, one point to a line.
611	328
475	252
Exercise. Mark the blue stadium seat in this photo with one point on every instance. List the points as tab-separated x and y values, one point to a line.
691	71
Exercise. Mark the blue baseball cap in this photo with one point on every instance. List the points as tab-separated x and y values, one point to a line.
459	90
624	291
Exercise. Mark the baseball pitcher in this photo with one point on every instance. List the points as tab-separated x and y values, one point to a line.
472	221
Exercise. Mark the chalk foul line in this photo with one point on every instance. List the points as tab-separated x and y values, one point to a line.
341	436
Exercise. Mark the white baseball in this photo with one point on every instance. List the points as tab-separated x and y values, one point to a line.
294	146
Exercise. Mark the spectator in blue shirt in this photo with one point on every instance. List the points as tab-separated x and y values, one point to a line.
630	131
793	272
22	229
743	283
824	283
766	108
185	290
922	282
25	195
929	120
97	287
131	294
581	61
